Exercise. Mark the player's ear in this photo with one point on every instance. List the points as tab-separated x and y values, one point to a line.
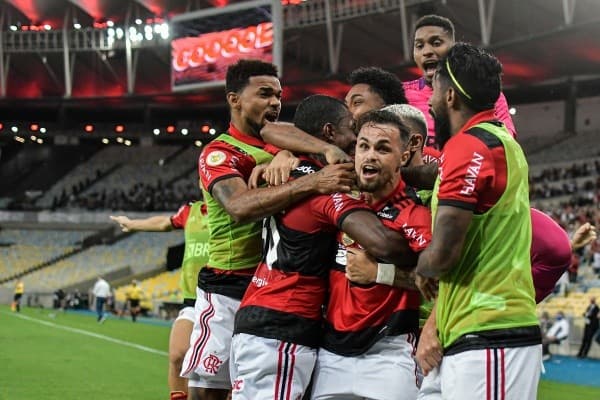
328	132
404	158
415	142
233	99
452	98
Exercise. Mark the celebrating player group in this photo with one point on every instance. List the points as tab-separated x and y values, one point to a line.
381	246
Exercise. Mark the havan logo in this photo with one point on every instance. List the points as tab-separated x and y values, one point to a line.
472	174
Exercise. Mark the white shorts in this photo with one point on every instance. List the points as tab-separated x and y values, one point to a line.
267	369
507	374
186	313
387	371
210	342
431	387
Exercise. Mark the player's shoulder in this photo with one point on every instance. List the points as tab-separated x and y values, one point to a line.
465	142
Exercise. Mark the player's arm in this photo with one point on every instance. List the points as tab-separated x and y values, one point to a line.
363	269
429	350
246	205
379	241
159	223
420	176
451	225
287	136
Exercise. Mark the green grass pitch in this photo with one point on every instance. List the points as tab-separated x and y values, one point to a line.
68	356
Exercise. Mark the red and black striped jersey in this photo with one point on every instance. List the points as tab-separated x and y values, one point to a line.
357	316
285	297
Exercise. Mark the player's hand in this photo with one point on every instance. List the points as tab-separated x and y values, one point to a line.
585	234
256	176
335	155
429	350
427	286
278	171
123	222
360	267
334	178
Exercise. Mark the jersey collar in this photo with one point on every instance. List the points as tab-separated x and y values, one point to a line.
487	115
243	137
397	193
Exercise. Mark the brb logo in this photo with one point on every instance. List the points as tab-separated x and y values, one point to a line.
210	47
212	364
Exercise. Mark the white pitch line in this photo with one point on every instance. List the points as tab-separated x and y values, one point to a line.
92	334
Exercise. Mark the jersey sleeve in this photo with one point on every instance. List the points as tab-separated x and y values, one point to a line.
503	115
334	208
466	172
271	149
431	155
416	226
217	161
179	219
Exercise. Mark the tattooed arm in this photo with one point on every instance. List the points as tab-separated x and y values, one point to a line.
246	205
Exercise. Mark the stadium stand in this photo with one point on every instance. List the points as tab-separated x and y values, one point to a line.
23	250
138	252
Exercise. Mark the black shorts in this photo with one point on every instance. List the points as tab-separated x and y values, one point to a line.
134	303
18	296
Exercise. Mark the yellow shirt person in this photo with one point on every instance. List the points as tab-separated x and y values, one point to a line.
134	294
19	290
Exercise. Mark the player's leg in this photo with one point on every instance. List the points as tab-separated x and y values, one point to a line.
333	377
431	387
388	371
179	342
266	369
210	347
508	373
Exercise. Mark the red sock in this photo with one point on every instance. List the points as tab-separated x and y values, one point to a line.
179	395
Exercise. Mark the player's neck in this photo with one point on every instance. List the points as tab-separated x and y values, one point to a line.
385	191
244	127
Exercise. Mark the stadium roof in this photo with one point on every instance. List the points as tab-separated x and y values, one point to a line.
542	44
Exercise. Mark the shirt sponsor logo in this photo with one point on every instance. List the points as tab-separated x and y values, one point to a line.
388	212
338	201
203	169
306	169
259	282
472	173
413	235
215	158
197	249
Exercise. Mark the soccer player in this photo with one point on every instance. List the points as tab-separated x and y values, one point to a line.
485	310
278	325
192	218
370	330
19	290
373	88
433	38
234	214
